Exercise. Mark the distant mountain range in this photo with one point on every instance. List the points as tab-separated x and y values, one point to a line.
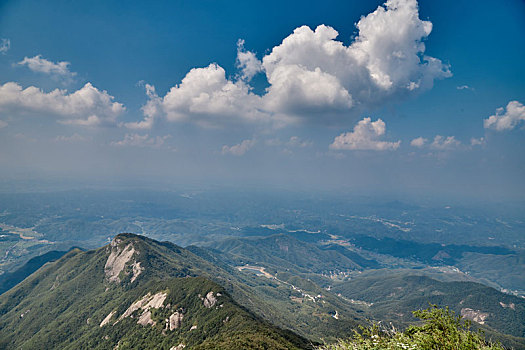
271	292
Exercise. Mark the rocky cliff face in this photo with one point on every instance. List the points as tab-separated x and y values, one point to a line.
121	259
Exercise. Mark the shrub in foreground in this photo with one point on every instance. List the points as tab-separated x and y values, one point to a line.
442	330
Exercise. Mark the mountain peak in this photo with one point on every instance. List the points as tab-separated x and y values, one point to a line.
124	236
122	259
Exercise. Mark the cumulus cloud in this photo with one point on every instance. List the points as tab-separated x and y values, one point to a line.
418	142
149	110
3	124
312	76
440	143
207	98
296	92
87	106
136	140
366	136
506	119
477	142
5	45
247	62
444	143
239	149
41	65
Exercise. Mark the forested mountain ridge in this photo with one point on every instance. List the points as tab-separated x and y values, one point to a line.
133	293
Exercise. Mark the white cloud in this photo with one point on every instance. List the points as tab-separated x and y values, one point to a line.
247	62
506	119
136	140
366	136
464	87
444	143
418	142
71	139
239	149
87	106
292	142
312	76
149	110
440	143
296	141
477	142
5	45
386	60
41	65
207	98
296	92
24	138
3	124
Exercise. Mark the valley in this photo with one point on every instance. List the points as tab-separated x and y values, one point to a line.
308	270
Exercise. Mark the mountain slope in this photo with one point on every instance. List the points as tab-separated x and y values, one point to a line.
134	293
10	279
393	295
286	251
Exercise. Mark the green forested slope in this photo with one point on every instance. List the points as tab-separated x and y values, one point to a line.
63	305
395	294
286	251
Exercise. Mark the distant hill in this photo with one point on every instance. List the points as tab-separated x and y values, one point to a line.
286	251
393	295
134	293
10	279
384	294
427	253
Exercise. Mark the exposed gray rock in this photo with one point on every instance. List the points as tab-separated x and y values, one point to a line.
118	259
474	315
145	303
210	300
175	321
107	319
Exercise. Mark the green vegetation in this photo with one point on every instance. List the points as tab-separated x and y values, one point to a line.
395	293
10	279
63	305
441	330
428	253
285	251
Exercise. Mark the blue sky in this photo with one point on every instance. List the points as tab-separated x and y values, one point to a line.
353	94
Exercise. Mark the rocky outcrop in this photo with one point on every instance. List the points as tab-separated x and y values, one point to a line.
210	300
474	315
509	305
119	257
136	270
175	321
145	319
146	303
107	319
